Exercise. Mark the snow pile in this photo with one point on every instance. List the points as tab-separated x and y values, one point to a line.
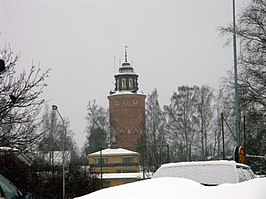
180	188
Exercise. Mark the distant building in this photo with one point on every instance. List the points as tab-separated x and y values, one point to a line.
115	166
127	110
114	161
15	153
56	157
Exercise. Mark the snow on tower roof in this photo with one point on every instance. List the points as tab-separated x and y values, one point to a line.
126	92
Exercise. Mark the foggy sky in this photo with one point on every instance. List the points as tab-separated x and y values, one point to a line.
170	43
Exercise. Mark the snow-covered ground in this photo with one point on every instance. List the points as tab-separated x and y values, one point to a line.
180	188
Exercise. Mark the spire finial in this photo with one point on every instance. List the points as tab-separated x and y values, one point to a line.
126	53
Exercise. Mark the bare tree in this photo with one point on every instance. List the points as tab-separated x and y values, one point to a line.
20	102
155	132
180	122
203	120
223	106
251	30
54	137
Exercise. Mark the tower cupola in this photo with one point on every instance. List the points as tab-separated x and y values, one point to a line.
126	79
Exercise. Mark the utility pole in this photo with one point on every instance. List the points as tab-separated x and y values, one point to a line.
237	108
101	164
222	124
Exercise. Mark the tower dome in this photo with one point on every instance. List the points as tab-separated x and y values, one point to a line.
126	79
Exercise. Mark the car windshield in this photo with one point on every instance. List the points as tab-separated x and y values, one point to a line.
7	190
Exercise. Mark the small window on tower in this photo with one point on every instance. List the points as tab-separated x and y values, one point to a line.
136	131
123	83
117	85
130	83
122	131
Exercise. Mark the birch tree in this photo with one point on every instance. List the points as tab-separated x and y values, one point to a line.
155	132
203	120
180	122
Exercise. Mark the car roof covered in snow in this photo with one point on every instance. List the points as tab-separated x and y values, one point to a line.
204	172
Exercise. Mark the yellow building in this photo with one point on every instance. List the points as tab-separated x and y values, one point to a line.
115	166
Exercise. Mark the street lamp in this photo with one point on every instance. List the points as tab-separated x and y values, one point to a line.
55	108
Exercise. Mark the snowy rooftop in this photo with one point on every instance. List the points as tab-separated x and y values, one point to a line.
126	71
113	152
8	149
123	175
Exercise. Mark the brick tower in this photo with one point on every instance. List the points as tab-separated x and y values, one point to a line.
127	109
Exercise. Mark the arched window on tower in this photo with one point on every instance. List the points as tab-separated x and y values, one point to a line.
122	131
117	85
136	131
123	83
130	83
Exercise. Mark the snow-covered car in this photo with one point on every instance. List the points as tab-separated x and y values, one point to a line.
9	191
207	172
181	188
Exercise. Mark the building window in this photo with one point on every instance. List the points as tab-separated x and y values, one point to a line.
123	83
117	85
135	102
122	131
136	130
106	183
127	159
101	160
130	83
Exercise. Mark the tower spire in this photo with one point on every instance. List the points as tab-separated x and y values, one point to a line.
126	53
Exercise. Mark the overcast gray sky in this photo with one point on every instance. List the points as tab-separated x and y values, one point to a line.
171	43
